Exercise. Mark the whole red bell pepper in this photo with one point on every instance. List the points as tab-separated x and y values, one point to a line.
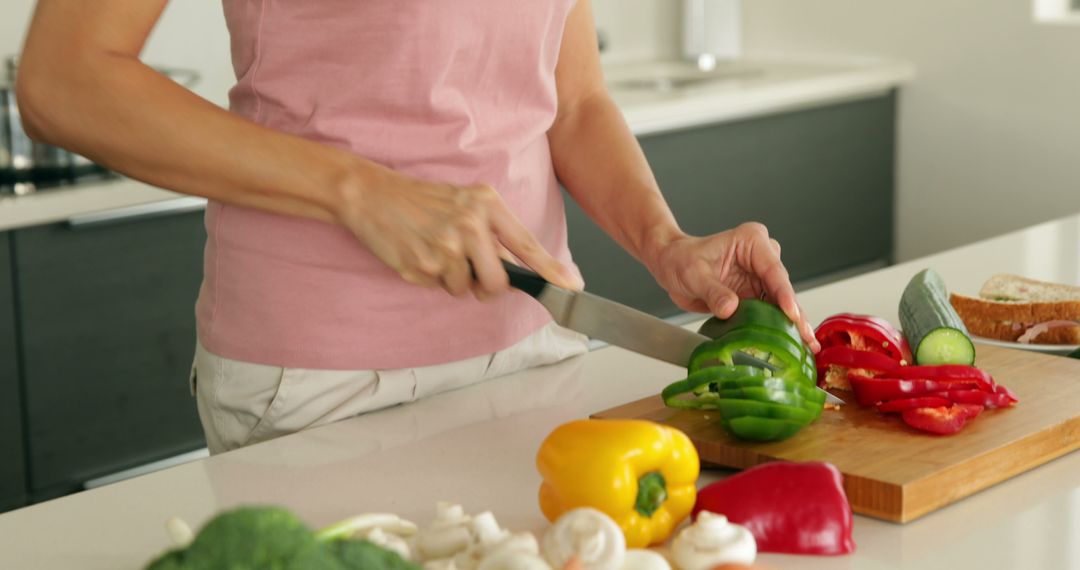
791	508
866	333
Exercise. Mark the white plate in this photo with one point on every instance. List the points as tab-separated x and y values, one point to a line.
1047	348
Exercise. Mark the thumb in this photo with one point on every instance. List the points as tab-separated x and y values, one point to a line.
722	301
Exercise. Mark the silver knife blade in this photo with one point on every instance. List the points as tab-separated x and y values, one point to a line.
615	323
629	328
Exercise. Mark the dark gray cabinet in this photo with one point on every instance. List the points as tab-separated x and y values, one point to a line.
12	453
108	330
820	179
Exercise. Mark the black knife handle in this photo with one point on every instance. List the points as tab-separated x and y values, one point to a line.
524	279
520	278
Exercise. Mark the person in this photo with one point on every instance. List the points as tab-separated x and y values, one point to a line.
377	160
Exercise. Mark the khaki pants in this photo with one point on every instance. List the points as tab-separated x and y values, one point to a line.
241	403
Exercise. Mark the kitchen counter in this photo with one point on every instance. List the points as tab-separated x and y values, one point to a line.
738	90
743	89
476	446
74	202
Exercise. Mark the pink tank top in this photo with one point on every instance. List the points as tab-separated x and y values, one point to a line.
456	91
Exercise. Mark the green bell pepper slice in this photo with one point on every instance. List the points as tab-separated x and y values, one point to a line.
761	429
699	385
809	394
756	314
762	394
752	312
737	408
771	346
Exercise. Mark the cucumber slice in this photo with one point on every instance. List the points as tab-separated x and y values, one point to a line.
945	346
930	323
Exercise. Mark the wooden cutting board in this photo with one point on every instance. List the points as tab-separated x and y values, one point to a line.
894	472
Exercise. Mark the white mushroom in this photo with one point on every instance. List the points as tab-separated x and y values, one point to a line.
513	560
179	532
486	530
712	541
588	534
489	538
441	564
389	541
516	542
448	533
362	524
642	559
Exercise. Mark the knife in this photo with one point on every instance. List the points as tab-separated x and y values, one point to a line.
617	324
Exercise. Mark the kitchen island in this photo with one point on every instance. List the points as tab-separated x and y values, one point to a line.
476	446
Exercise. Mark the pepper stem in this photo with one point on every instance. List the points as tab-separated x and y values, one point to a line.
652	492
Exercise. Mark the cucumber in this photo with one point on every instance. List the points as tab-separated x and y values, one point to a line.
931	325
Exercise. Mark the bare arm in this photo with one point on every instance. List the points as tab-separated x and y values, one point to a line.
82	86
600	163
90	93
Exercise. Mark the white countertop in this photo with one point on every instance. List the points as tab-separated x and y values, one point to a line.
477	446
746	89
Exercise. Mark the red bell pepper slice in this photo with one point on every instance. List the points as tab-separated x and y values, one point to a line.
946	373
866	333
852	360
971	410
1001	389
978	397
909	403
789	507
869	391
941	421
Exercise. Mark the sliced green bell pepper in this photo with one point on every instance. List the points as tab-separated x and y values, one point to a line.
759	315
771	346
699	385
751	312
762	394
812	395
732	408
754	403
761	429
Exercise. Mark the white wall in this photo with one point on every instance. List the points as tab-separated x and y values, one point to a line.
989	130
639	29
191	34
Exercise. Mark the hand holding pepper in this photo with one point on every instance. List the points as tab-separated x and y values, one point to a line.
710	274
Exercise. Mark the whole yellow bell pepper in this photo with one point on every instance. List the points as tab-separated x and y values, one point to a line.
642	474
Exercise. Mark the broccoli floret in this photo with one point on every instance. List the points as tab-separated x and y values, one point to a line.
271	538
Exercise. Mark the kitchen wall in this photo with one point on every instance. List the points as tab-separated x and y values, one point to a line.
639	29
990	128
191	34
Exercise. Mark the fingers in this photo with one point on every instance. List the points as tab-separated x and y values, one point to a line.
453	238
722	301
765	263
491	278
522	244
